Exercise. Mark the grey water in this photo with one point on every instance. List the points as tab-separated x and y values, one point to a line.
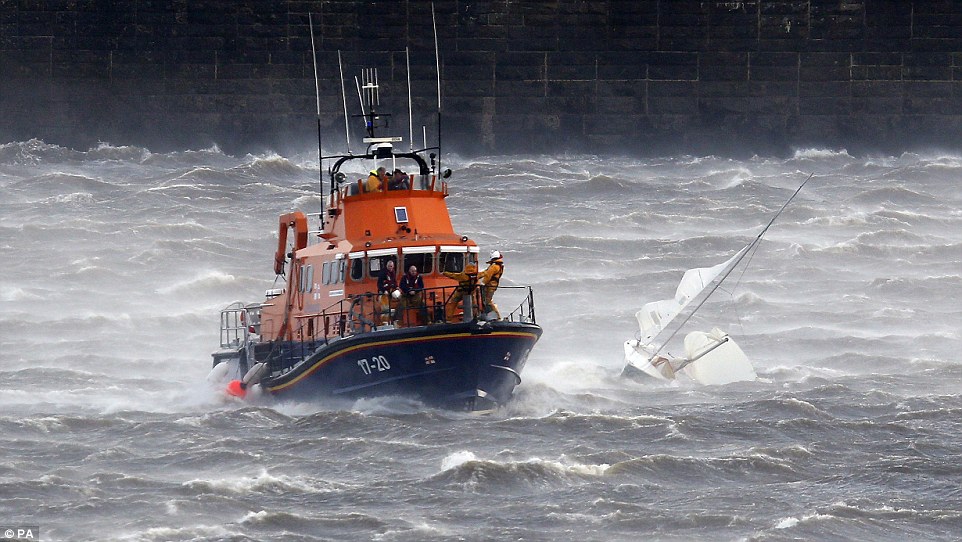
116	260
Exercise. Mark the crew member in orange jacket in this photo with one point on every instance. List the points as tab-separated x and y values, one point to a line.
490	278
466	283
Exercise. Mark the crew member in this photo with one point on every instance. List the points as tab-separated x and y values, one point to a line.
386	284
375	180
466	283
491	277
412	295
399	181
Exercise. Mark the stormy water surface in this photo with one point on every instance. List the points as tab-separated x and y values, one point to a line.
116	261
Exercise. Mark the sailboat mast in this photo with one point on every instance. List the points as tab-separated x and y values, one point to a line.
751	246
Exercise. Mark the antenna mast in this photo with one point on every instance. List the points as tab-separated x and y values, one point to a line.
347	128
370	96
407	56
437	63
317	93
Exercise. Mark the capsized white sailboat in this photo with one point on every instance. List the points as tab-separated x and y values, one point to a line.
711	358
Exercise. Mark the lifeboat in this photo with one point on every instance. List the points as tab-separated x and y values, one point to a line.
338	325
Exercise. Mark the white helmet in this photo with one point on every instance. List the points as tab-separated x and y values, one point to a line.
495	254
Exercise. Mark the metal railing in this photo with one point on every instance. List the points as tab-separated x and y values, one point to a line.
524	311
234	330
240	324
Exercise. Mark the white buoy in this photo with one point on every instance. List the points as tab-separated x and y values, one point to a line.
218	374
255	374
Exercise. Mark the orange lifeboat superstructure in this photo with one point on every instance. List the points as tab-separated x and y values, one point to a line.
363	231
330	332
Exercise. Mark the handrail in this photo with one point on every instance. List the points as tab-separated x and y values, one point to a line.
233	326
358	314
524	312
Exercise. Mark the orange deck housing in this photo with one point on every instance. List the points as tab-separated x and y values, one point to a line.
358	227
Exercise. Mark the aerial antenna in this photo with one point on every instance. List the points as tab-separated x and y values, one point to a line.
368	93
317	93
360	98
437	64
347	128
437	55
369	87
407	56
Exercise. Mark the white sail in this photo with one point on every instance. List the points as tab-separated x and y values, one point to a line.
715	359
654	318
711	357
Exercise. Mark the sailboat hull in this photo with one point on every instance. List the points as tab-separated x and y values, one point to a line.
637	365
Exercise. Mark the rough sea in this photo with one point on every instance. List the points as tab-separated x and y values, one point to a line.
116	260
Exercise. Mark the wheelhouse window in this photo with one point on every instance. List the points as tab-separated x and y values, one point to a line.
357	265
453	258
420	257
452	262
377	260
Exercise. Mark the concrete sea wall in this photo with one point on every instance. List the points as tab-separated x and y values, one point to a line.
647	76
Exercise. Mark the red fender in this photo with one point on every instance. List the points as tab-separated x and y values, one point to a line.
295	220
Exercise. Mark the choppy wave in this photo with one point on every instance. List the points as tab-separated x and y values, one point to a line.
261	483
814	153
496	476
116	260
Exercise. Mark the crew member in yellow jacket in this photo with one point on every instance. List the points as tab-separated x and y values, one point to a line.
466	283
490	278
375	180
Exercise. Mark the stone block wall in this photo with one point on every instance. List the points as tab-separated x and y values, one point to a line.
649	76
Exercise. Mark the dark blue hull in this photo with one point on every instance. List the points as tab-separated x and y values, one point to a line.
472	366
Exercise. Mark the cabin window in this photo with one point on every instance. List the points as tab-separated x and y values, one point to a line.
401	214
304	280
452	262
341	266
424	263
326	273
357	269
310	278
377	263
336	271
